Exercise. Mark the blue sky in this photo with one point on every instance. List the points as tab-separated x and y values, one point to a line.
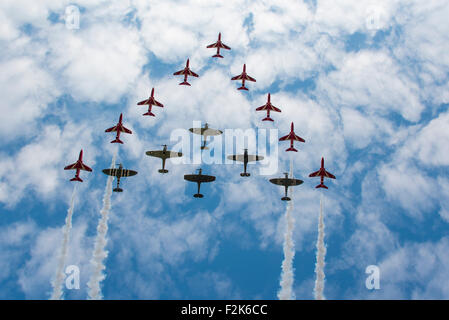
366	85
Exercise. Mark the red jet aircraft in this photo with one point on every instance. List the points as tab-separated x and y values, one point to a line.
243	76
268	107
150	102
219	45
78	165
292	137
118	128
186	72
323	174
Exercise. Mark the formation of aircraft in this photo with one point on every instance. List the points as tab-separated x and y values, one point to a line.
150	102
268	107
205	132
245	158
119	173
199	179
78	165
292	137
219	45
118	129
164	154
286	182
244	77
322	173
186	72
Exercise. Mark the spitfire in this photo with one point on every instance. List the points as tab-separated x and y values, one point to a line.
199	178
119	173
245	158
286	182
205	132
164	154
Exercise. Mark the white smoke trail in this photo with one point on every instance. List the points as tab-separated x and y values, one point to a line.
100	253
320	255
60	275
287	276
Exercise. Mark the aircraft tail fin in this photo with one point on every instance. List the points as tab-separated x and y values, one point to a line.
321	185
76	179
149	113
184	83
245	174
291	149
243	88
285	199
198	195
267	119
217	56
163	170
118	190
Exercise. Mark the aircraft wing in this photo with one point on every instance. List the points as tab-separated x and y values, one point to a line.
157	103
287	137
239	77
71	166
197	130
236	157
117	172
328	175
315	174
85	168
126	130
143	102
191	73
177	73
199	178
261	108
247	77
112	129
286	182
213	45
212	132
298	138
254	158
160	154
273	108
225	46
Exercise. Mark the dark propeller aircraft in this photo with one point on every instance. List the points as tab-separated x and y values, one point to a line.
286	182
245	158
206	131
164	155
199	178
119	173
